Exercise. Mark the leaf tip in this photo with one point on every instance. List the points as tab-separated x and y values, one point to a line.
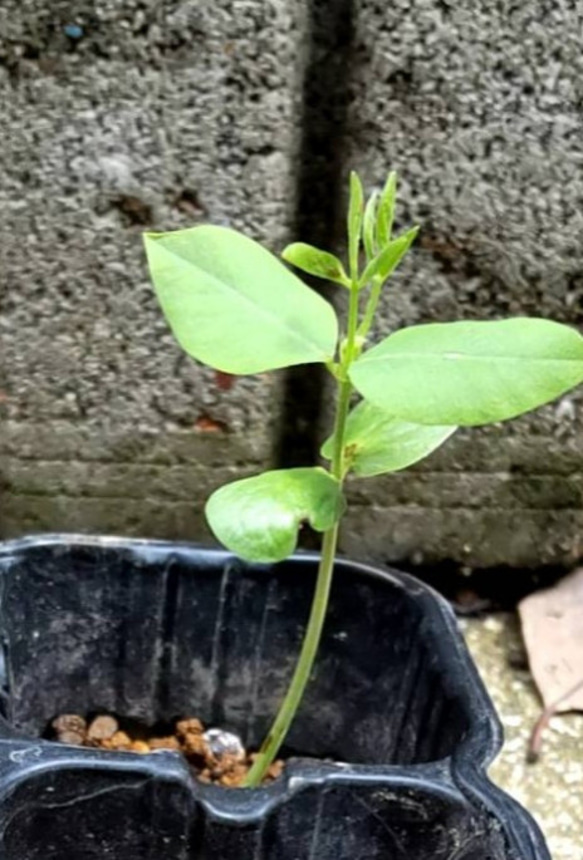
391	183
356	183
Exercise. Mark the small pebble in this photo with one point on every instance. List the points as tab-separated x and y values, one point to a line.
195	745
169	743
275	769
70	723
102	728
215	756
120	741
223	743
188	727
233	777
72	738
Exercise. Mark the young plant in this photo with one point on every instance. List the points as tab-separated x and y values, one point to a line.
235	307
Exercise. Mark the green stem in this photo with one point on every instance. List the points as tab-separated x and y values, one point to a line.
303	669
304	666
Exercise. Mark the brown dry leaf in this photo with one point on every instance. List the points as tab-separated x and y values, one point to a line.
552	626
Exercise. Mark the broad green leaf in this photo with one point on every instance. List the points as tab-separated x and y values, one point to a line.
316	262
378	442
470	373
355	215
369	226
386	211
389	258
233	305
258	518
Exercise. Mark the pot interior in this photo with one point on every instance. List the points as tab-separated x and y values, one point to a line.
154	632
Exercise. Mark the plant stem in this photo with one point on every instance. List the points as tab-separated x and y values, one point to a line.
303	670
312	636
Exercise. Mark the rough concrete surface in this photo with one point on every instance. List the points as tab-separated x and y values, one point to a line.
478	107
119	117
127	115
552	789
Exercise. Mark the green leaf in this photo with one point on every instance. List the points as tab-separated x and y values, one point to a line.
233	305
258	518
355	214
369	225
378	442
470	373
386	211
316	262
389	258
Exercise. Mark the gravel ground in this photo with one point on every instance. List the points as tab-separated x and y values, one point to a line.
552	789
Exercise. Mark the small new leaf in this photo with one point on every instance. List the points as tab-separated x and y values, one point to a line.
369	226
355	215
470	373
379	442
386	212
315	262
258	518
389	258
233	305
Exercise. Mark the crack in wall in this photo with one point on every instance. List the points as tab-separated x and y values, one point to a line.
320	182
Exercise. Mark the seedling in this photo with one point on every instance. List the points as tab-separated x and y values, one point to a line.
232	305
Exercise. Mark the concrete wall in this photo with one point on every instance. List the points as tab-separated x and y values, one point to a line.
478	105
161	115
250	112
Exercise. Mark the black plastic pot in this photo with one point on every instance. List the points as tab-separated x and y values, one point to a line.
156	630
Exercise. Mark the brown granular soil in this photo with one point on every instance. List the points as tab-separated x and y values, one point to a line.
229	768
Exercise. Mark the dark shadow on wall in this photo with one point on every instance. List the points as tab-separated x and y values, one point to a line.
320	186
